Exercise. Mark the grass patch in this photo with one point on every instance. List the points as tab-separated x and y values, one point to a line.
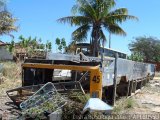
79	97
124	104
130	103
117	109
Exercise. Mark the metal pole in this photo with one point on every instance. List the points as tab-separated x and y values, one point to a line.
109	40
102	54
115	80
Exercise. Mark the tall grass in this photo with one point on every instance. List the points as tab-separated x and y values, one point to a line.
11	70
12	77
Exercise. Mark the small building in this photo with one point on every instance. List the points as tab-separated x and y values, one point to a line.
4	53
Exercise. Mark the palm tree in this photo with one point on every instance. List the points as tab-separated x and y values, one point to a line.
34	43
48	46
61	44
11	46
95	16
6	20
22	41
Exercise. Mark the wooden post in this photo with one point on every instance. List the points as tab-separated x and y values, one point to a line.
135	86
148	78
131	88
128	88
22	76
115	80
145	81
141	85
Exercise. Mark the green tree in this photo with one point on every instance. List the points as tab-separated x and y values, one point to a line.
61	44
22	41
136	56
146	49
34	43
96	16
42	46
11	46
48	46
7	21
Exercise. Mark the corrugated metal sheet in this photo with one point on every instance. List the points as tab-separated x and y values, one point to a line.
131	69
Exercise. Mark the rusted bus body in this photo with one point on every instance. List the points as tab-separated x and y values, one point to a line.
40	72
99	77
131	76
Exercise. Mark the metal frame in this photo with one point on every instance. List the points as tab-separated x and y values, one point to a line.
95	74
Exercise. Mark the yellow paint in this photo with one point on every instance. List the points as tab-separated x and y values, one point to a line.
96	83
63	67
95	74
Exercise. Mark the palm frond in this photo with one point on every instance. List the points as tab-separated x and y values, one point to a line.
120	18
115	29
105	7
119	11
102	36
85	7
75	20
80	34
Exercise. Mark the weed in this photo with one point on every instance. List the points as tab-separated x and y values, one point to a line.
117	109
129	103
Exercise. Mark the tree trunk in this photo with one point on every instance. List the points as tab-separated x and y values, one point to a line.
95	42
95	39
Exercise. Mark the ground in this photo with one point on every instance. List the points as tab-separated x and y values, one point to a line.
146	101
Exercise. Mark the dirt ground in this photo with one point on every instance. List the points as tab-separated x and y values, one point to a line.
149	98
146	101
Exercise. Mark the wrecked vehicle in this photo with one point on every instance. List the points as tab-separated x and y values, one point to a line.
79	73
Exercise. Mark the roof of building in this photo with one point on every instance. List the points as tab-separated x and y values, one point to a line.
88	44
3	43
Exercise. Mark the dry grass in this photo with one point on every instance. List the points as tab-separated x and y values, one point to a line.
12	77
124	104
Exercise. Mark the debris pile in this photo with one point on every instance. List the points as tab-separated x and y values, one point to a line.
44	102
43	110
75	105
47	101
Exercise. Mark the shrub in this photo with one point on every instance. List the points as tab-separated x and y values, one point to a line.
130	103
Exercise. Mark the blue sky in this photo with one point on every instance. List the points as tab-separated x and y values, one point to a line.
38	18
